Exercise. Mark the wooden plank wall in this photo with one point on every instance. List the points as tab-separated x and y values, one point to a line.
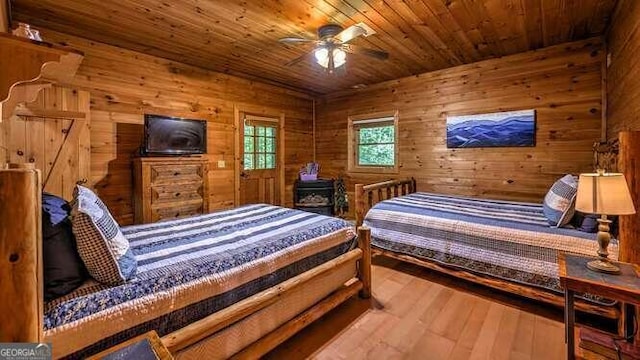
623	112
623	73
125	84
55	145
562	83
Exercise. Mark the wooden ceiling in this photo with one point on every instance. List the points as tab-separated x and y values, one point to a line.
240	37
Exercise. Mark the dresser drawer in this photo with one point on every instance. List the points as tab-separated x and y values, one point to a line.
177	211
168	188
176	192
172	174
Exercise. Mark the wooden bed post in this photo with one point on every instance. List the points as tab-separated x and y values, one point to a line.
629	233
21	290
629	165
364	267
359	204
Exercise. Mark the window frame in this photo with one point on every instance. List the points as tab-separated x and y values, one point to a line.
354	126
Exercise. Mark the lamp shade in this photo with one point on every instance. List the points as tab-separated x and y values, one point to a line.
605	194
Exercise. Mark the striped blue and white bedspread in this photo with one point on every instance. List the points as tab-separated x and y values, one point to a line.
507	240
192	267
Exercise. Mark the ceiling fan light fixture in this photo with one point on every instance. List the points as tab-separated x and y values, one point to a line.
333	44
322	57
339	57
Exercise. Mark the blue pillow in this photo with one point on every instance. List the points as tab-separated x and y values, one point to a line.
559	203
585	222
56	208
102	246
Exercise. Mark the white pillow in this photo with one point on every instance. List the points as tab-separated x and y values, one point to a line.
101	245
559	203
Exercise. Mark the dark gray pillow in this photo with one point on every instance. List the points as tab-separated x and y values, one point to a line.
63	269
585	222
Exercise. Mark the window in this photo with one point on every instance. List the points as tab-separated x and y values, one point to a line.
373	143
259	145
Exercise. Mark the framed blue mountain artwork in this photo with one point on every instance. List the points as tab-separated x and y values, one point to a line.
502	129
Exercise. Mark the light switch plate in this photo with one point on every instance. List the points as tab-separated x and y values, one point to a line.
221	164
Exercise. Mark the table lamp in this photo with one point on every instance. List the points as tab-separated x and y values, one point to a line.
604	194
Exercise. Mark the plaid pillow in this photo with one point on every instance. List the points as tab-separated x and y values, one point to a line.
101	245
559	203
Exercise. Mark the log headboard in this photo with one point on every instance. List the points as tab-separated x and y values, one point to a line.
368	195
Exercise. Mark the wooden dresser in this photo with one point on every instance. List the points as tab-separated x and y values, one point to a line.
169	188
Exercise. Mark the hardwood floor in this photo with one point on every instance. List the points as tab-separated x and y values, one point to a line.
415	314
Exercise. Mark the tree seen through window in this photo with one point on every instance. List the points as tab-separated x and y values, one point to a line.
376	145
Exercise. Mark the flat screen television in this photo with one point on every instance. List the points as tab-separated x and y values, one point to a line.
165	135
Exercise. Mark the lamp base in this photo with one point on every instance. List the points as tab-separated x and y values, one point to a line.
603	266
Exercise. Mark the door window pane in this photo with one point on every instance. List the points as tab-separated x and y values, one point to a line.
270	145
248	144
248	162
271	161
261	161
259	147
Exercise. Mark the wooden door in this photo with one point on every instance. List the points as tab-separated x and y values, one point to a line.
259	160
52	133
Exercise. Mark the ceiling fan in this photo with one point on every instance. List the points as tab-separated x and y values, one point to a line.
332	45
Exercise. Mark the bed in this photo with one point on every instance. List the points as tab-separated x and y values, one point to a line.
233	283
504	245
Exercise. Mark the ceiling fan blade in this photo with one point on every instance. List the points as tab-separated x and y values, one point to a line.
355	49
353	31
350	33
299	58
295	40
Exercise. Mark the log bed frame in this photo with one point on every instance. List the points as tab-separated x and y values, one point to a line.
21	281
37	66
368	195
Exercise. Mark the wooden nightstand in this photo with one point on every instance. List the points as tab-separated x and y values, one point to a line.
576	277
144	347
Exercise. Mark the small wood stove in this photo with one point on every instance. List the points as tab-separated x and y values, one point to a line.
315	196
